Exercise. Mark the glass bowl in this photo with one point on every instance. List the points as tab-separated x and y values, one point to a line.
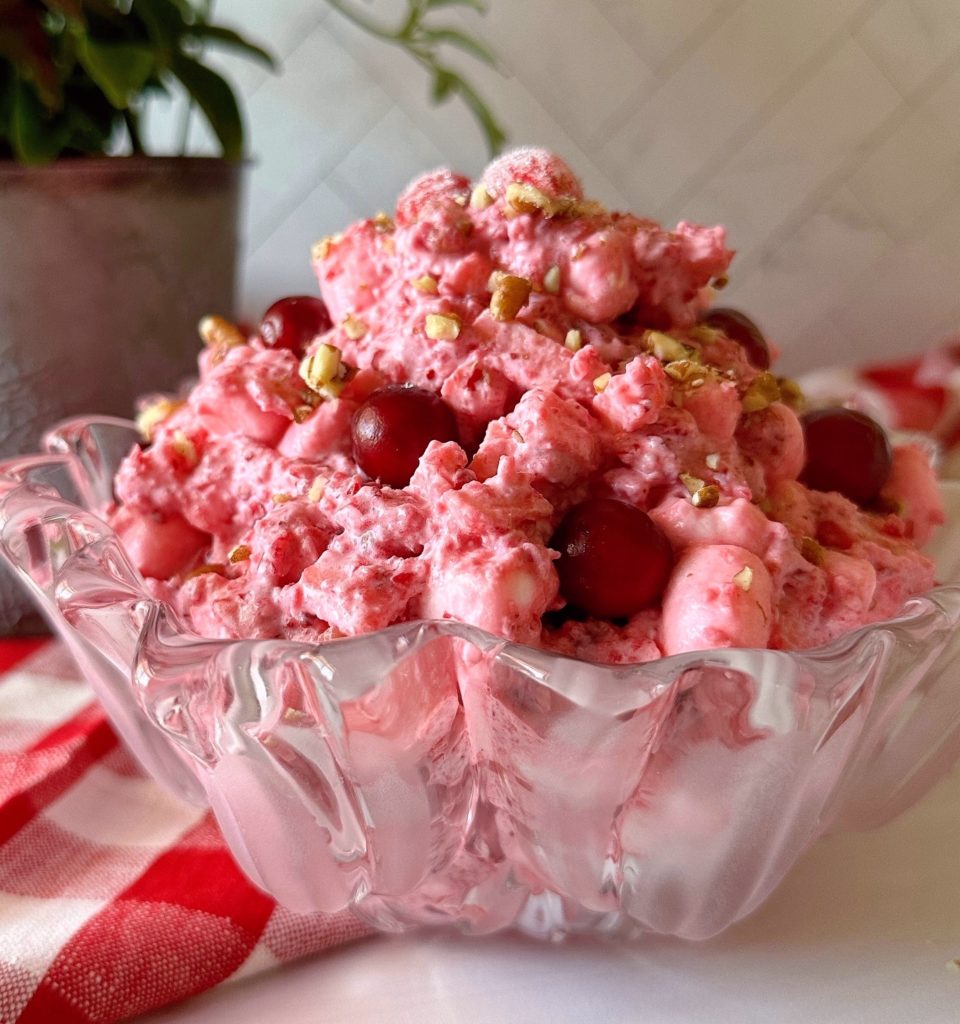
433	774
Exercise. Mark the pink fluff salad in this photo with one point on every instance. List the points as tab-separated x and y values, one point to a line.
253	521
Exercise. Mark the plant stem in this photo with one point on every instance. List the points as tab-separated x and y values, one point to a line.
361	22
131	121
414	37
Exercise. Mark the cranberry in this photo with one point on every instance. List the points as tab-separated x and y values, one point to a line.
846	452
614	559
740	328
393	427
294	322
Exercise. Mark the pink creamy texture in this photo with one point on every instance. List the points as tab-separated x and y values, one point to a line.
254	524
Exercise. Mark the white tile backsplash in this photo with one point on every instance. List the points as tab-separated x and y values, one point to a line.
577	84
788	159
659	29
912	170
727	81
791	286
824	133
909	38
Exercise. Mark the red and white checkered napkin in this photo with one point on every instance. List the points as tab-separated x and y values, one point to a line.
115	898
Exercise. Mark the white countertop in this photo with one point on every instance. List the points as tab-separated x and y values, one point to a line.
861	932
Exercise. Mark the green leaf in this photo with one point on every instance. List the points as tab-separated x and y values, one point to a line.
464	42
35	135
443	85
120	69
232	40
495	135
216	99
165	24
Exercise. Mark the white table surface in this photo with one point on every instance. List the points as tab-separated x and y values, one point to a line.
861	932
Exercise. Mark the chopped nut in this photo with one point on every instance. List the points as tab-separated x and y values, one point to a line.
518	437
317	488
721	282
713	460
353	327
324	371
382	222
744	578
282	498
296	716
480	198
684	371
600	383
239	554
705	334
551	280
321	250
707	496
301	413
442	326
791	394
154	414
425	284
509	295
206	568
573	341
664	347
692	483
812	551
523	198
588	208
185	448
761	392
218	332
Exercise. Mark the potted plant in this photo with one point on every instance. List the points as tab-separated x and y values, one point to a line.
105	262
110	256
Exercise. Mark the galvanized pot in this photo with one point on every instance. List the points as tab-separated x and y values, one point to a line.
106	264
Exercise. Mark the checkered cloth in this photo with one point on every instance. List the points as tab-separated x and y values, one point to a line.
115	898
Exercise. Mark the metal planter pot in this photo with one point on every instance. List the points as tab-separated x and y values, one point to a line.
106	265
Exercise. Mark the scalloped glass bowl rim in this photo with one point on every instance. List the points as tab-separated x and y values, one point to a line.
611	677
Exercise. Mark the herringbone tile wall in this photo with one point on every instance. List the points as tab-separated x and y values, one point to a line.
824	133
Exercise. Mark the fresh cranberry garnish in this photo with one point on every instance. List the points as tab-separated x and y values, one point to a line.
294	322
393	427
740	328
614	560
846	452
